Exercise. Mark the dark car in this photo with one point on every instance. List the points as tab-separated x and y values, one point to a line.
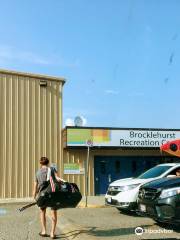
160	200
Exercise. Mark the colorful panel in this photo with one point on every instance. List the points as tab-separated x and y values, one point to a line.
80	136
101	135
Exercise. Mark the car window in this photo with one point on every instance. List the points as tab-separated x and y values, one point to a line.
154	172
173	172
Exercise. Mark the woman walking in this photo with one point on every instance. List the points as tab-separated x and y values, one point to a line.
41	177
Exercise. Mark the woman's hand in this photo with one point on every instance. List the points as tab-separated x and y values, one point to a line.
60	179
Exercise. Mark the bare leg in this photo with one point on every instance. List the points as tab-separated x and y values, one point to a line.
54	222
43	220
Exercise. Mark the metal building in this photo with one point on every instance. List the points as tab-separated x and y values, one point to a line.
116	153
30	127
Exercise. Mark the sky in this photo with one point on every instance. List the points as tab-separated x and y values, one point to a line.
120	58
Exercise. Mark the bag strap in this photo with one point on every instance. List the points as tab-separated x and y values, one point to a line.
51	178
48	174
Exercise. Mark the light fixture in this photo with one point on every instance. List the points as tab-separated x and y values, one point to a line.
43	83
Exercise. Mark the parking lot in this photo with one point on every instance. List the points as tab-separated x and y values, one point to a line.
81	223
109	223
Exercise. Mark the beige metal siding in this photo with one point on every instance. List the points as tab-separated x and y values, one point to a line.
30	127
76	156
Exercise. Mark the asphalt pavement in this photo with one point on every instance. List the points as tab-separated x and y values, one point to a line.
16	225
95	222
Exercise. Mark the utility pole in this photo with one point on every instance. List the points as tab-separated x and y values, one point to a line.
89	144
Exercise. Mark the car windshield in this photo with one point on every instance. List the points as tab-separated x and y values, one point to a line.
154	172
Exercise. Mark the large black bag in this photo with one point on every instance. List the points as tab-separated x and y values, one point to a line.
63	194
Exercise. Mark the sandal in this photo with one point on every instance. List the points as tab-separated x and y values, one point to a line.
53	237
43	234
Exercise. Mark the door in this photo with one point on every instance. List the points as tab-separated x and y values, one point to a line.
110	168
107	170
102	175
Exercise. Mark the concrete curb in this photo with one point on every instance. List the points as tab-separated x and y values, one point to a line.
29	200
82	205
91	204
15	200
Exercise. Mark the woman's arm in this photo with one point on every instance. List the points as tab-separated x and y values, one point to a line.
58	178
35	188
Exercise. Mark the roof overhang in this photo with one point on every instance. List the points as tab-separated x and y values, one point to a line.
33	75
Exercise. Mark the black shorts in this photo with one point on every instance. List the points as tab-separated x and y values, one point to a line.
52	208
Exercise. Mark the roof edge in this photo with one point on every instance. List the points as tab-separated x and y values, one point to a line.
122	128
33	75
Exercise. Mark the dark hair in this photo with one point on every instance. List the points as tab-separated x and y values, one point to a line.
44	161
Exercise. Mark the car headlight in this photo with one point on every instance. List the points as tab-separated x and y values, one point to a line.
114	188
122	188
169	193
129	187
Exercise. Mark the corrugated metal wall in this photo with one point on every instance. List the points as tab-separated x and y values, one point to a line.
80	156
30	127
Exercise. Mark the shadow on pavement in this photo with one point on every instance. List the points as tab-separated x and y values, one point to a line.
75	233
57	236
94	231
175	228
130	213
115	232
160	238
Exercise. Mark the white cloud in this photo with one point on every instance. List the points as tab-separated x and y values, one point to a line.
110	91
84	120
9	54
69	122
33	58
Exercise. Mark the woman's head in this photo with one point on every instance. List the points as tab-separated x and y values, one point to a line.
44	161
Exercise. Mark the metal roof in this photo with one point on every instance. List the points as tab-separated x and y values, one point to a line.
33	75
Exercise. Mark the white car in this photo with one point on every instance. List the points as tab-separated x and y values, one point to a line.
123	193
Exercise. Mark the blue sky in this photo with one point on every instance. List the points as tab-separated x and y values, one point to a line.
121	58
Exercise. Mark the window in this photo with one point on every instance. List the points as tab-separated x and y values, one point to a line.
103	167
117	166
